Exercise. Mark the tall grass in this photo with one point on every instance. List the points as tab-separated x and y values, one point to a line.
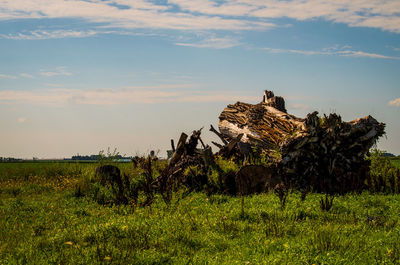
384	175
395	162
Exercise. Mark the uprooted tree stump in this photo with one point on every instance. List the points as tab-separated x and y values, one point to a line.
325	153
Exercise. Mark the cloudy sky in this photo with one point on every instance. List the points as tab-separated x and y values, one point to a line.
78	76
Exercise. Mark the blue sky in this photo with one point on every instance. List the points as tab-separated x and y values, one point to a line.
79	76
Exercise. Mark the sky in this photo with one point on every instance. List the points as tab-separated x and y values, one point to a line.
81	76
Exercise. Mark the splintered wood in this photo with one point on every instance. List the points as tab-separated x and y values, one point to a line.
262	126
322	152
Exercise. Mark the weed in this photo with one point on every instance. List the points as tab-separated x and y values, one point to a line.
326	204
275	226
328	239
282	192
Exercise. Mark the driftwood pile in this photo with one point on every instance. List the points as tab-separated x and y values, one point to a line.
321	153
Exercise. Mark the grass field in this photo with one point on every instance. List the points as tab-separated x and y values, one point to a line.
43	222
396	162
49	170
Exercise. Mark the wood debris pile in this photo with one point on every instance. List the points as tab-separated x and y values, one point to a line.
323	153
184	155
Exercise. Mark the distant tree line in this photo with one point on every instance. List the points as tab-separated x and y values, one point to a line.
389	155
94	157
74	158
9	159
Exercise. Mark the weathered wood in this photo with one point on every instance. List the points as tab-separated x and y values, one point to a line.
233	143
229	149
202	143
192	143
261	125
217	144
172	145
186	154
179	150
208	157
323	152
212	129
276	102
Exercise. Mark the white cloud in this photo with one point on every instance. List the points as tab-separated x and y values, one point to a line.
62	97
163	86
24	75
303	52
343	51
59	71
58	34
207	14
21	120
365	54
2	76
138	14
45	34
213	42
395	102
360	13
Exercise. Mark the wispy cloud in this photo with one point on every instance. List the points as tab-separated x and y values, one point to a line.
57	72
46	34
163	86
213	42
59	34
338	51
3	76
135	14
24	75
366	54
395	102
358	13
62	97
205	14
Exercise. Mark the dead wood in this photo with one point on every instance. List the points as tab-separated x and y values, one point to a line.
212	129
185	155
172	145
217	144
324	153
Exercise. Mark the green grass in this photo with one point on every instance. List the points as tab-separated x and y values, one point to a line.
396	162
25	170
42	222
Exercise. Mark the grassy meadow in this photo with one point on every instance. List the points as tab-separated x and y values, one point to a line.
44	220
396	162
